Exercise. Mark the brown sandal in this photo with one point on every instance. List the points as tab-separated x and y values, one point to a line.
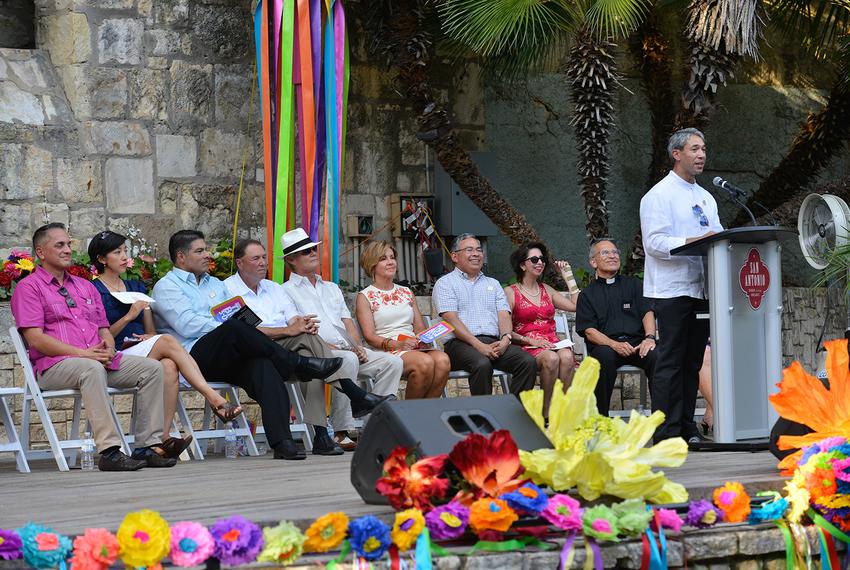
174	446
227	412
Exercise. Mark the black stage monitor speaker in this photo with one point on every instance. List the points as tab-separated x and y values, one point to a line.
432	427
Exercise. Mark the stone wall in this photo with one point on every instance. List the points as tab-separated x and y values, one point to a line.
129	113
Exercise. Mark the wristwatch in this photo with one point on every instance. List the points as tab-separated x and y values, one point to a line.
650	337
505	335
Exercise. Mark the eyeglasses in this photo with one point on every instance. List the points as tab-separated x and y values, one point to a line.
609	253
534	259
470	250
309	250
703	220
68	300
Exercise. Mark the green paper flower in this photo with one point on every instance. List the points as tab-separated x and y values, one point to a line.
284	544
632	517
600	522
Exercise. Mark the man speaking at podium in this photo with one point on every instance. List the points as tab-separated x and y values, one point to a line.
674	212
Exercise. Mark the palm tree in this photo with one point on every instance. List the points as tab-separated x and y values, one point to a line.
823	26
399	29
515	36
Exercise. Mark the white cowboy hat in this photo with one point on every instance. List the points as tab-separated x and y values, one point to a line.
296	240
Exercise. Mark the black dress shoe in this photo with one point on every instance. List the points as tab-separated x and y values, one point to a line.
287	449
368	404
324	445
313	368
153	459
119	462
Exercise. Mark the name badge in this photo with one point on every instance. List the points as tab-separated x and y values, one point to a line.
212	295
88	301
627	305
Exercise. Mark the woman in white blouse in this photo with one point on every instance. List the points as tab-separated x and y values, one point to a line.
390	320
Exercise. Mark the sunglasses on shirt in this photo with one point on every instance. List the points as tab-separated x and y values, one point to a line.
534	259
68	300
703	220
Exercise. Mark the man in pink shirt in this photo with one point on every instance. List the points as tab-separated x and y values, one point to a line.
61	317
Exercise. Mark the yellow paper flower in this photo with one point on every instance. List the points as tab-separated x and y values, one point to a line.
798	497
284	544
326	533
144	537
596	454
25	264
407	527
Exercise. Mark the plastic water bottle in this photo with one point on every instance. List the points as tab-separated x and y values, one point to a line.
230	442
87	453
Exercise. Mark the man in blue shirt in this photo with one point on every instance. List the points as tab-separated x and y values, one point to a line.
234	351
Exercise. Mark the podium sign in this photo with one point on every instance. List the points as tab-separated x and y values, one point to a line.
745	308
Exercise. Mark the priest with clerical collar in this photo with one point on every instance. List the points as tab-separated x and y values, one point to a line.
616	321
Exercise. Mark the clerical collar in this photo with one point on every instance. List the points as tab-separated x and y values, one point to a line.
607	280
611	280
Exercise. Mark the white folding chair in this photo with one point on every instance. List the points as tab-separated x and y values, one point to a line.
621	382
35	395
299	427
13	442
216	430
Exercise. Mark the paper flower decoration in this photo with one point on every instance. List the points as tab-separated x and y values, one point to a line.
600	455
237	540
804	399
408	483
96	549
370	537
702	514
564	512
669	519
733	500
600	522
43	548
447	522
526	500
491	514
489	465
284	544
407	527
10	545
144	537
769	511
191	544
326	533
632	517
820	481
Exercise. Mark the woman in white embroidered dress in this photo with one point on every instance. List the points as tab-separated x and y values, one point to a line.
390	320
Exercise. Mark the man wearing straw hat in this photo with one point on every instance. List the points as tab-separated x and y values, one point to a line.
314	296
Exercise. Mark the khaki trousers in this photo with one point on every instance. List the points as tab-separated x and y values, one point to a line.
382	367
91	379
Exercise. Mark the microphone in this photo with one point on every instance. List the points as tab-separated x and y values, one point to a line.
735	193
728	186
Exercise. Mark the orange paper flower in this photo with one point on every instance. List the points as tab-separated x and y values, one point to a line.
490	465
491	514
407	483
326	533
733	500
804	399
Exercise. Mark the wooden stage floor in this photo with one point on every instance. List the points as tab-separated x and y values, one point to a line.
262	489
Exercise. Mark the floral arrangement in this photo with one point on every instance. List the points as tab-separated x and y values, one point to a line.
18	265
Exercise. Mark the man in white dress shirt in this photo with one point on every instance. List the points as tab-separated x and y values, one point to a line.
314	296
298	333
674	212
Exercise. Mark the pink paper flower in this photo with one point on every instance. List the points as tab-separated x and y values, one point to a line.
668	519
191	544
564	512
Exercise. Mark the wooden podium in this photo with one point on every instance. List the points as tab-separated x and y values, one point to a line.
745	308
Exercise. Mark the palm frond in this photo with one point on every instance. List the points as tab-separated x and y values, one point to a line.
822	24
494	28
732	26
616	18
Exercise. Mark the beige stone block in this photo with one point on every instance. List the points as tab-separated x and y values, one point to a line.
86	222
119	138
67	37
148	93
18	106
221	153
7	379
7	362
120	41
129	186
26	172
79	180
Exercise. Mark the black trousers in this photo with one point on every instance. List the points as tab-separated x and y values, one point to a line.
245	357
680	352
520	364
609	361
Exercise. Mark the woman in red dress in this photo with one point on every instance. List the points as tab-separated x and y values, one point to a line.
533	305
